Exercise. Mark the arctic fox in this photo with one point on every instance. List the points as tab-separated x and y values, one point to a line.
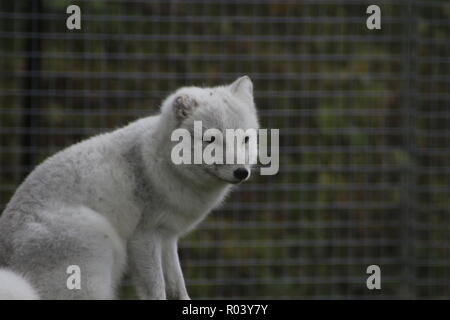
117	201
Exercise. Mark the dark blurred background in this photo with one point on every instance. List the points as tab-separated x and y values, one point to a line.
363	115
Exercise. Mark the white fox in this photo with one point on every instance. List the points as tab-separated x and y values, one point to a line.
117	201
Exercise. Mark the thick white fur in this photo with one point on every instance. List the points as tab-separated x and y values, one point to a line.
15	287
118	197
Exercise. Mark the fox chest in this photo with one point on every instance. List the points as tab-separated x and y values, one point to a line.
184	215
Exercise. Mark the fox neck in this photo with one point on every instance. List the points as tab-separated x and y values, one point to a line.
156	155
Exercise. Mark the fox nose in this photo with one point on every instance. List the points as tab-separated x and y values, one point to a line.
241	173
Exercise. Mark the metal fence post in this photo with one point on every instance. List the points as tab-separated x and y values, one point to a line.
409	200
32	84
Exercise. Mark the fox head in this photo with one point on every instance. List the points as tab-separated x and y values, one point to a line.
214	131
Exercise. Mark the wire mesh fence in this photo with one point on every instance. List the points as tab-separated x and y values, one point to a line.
363	116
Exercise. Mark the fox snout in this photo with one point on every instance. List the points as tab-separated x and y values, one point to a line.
241	174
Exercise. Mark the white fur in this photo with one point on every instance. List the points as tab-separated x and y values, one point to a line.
15	287
118	197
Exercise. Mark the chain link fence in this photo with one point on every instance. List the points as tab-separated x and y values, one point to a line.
363	115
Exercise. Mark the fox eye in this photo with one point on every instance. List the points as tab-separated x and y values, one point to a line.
211	139
246	139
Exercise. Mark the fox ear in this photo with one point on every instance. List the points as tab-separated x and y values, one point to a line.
183	106
243	87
